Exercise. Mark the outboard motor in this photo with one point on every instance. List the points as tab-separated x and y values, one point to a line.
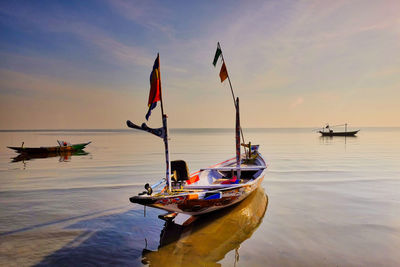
180	172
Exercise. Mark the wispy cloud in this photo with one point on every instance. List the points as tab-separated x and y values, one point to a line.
89	33
121	52
149	14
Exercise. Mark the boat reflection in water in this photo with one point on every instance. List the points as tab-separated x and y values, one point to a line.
211	237
64	155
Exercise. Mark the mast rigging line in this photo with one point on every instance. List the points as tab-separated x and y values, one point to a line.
233	94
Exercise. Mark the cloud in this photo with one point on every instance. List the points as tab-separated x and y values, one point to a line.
297	102
150	14
64	22
38	101
123	53
36	86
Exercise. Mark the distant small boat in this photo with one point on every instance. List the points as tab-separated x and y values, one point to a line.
330	132
62	147
352	133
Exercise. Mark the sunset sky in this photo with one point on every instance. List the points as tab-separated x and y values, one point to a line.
86	64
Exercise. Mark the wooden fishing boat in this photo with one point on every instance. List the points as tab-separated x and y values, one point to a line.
208	189
62	147
328	131
351	133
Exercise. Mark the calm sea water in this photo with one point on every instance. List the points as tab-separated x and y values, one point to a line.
324	201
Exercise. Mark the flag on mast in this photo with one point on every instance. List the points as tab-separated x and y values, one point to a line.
223	74
155	87
217	55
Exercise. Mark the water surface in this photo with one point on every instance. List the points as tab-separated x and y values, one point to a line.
325	201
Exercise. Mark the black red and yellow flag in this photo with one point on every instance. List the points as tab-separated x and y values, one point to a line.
155	87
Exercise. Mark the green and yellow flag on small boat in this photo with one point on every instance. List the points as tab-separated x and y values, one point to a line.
223	74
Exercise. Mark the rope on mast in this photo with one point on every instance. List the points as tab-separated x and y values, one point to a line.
233	94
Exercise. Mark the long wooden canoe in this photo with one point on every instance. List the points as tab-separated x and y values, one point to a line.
34	150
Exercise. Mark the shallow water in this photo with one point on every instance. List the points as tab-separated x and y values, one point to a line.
325	201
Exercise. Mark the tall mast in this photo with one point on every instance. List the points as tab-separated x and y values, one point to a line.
164	121
163	131
237	133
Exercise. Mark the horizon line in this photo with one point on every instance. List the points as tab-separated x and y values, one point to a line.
175	128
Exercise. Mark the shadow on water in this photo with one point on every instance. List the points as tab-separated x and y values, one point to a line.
130	239
63	156
37	226
330	139
338	137
114	239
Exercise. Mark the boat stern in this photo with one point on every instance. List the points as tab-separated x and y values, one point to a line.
147	201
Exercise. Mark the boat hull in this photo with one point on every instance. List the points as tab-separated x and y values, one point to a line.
188	204
229	197
352	133
53	149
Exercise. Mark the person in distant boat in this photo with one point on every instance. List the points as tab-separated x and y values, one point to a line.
65	143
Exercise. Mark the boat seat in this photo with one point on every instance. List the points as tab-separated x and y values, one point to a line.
233	180
179	170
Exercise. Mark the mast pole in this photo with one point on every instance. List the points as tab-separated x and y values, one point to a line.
233	94
164	121
237	133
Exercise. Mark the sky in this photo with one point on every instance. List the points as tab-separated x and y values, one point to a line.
86	64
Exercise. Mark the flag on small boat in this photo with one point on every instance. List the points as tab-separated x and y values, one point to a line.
217	55
223	74
155	87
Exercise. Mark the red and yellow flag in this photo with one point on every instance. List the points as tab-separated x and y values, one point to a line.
155	87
